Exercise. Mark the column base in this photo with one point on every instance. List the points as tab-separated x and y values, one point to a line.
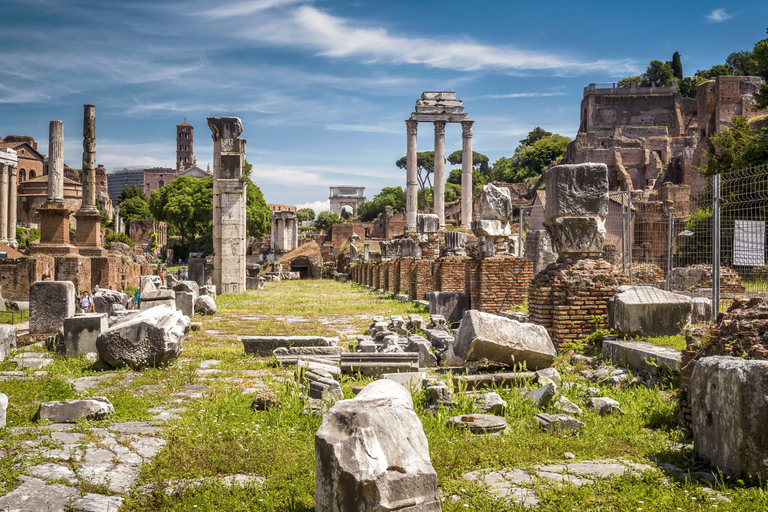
92	252
88	229
54	225
52	249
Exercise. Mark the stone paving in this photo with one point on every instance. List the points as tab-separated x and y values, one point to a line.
519	486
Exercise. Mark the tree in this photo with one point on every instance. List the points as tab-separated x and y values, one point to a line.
630	82
425	166
760	54
738	147
258	216
690	85
742	63
327	219
658	74
389	196
677	67
305	214
134	208
185	204
479	160
715	71
534	136
132	191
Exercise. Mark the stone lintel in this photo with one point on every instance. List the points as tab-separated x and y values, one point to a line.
431	118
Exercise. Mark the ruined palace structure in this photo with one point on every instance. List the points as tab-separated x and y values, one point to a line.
651	135
229	230
570	295
439	108
9	166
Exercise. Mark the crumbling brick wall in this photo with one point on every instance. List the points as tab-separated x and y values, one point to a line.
741	331
450	274
499	283
421	280
16	275
74	268
570	298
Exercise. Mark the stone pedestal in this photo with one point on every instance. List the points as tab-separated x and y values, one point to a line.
54	231
89	233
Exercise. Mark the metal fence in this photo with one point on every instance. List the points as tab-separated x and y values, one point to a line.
711	243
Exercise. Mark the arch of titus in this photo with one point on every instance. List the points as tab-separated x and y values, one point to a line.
439	108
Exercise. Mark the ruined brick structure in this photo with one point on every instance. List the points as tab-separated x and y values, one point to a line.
742	331
494	284
570	298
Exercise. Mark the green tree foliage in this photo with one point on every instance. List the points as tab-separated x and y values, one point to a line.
736	148
134	208
677	67
132	191
325	220
117	237
760	54
185	205
258	216
305	214
630	82
425	166
715	71
389	196
658	74
689	85
535	135
742	63
479	160
529	161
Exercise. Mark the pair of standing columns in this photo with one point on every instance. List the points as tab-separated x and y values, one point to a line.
8	195
439	184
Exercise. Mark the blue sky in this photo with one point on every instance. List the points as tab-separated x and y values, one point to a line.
323	87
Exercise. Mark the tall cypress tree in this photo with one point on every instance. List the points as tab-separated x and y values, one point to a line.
677	67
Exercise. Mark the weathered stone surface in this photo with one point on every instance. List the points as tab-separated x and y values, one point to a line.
98	503
33	493
376	363
412	381
418	344
205	305
605	406
563	421
449	305
542	395
153	337
642	355
493	380
3	409
322	385
428	223
7	341
67	411
549	373
649	311
479	423
564	405
372	455
50	302
187	286
265	402
185	302
576	190
491	228
492	403
104	299
486	336
264	345
211	290
79	334
538	248
702	310
157	295
729	409
495	203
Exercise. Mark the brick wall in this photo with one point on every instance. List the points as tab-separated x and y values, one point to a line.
499	283
75	268
567	296
421	280
450	274
18	274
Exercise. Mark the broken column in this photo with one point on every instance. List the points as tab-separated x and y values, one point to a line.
8	171
54	214
372	455
229	201
89	217
568	295
466	173
493	228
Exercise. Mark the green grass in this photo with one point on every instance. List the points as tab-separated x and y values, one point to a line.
219	434
13	317
675	342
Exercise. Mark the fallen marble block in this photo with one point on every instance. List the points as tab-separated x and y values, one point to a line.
263	346
67	411
372	455
562	421
376	363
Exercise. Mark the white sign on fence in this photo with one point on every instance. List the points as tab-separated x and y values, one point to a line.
749	243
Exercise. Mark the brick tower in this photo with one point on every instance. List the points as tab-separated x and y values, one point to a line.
185	153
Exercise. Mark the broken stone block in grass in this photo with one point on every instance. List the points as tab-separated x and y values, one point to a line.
68	411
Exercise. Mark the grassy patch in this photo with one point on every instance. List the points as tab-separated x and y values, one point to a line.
675	342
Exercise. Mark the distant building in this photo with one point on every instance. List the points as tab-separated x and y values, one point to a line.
185	151
274	208
30	159
346	195
124	178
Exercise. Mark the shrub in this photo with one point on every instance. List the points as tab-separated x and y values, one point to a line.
118	237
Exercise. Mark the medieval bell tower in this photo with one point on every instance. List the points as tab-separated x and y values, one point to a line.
185	153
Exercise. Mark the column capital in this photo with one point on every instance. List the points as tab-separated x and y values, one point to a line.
13	170
439	127
412	126
466	128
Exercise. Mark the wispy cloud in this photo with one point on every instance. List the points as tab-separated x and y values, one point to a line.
245	8
317	206
718	16
524	95
344	38
368	128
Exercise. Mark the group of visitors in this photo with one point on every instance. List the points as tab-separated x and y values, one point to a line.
85	304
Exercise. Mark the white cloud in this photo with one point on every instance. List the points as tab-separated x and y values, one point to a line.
317	206
338	37
245	8
368	128
718	16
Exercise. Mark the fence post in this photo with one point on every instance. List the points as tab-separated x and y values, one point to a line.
670	247
623	236
715	246
520	234
631	232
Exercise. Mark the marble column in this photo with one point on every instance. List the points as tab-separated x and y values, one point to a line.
12	205
412	183
295	233
439	185
56	164
4	177
466	173
272	234
88	216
